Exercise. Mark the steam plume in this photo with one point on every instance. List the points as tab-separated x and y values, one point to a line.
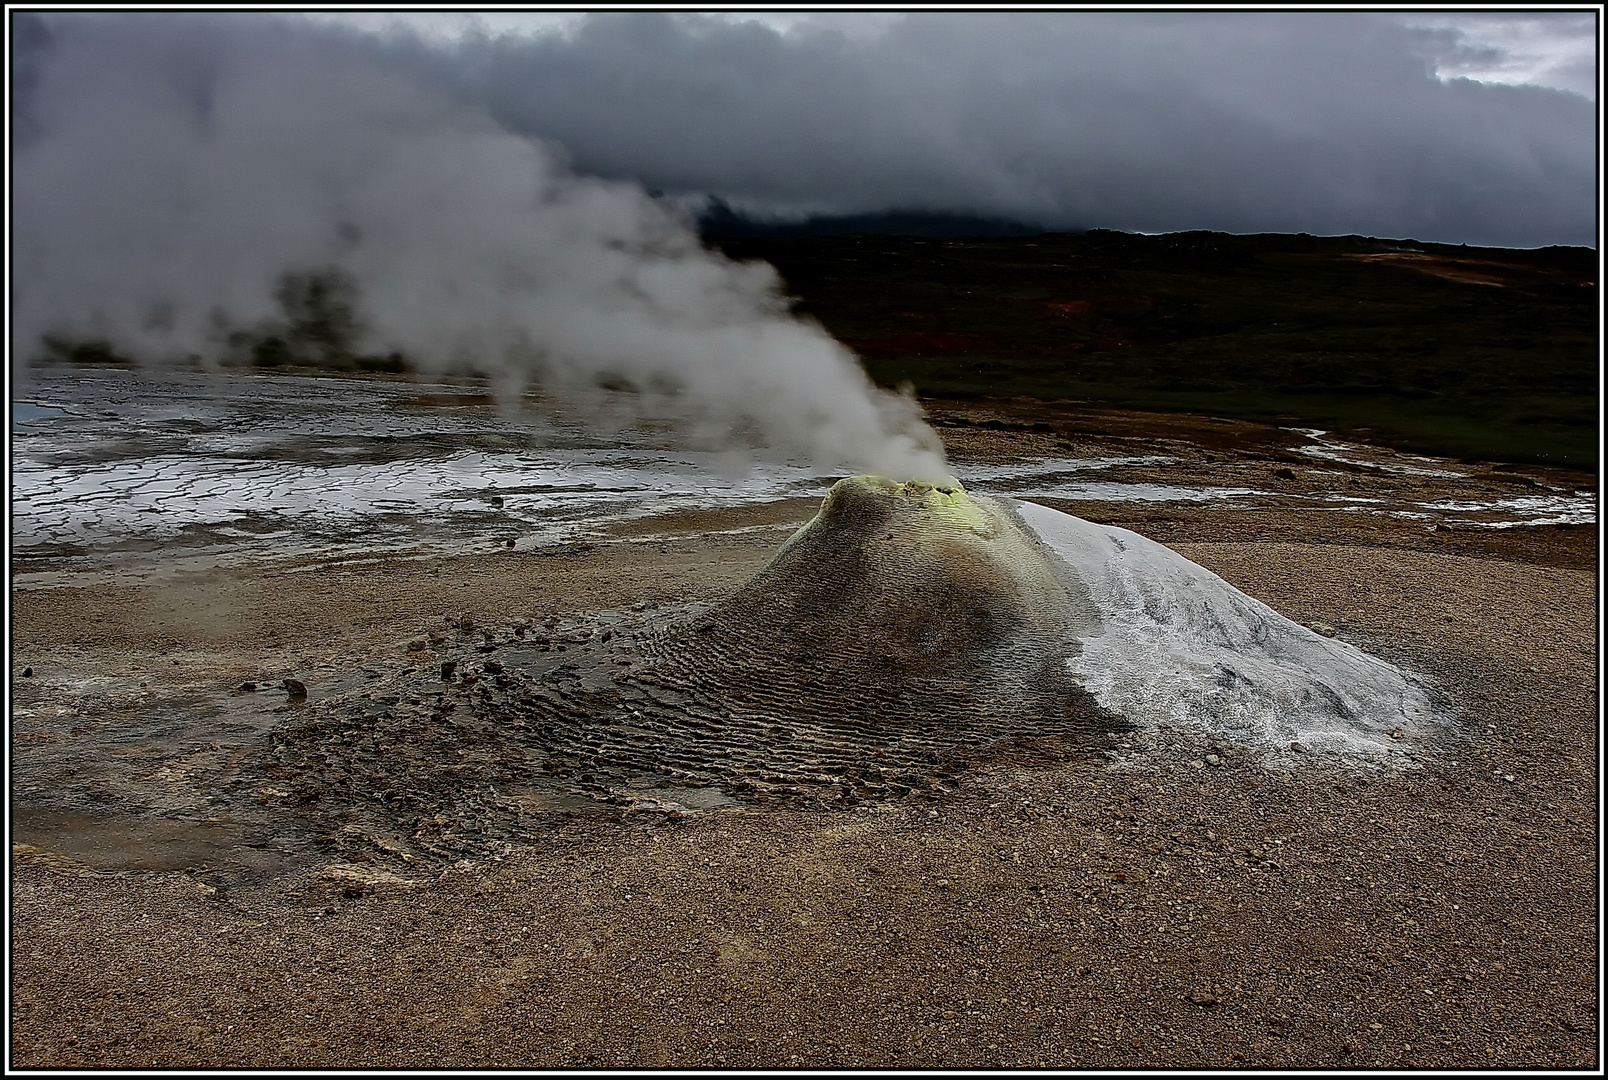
172	171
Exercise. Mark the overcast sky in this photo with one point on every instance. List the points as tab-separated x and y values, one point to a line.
1473	128
1476	128
1556	49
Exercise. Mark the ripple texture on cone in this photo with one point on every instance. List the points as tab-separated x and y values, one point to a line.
905	633
905	609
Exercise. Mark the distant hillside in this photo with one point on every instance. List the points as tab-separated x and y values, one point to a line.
1470	352
1474	352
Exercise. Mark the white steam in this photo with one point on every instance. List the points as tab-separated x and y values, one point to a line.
174	169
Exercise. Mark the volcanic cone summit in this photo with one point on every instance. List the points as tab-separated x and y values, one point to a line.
907	631
896	590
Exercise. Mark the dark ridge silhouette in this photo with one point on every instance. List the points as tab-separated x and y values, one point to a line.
720	219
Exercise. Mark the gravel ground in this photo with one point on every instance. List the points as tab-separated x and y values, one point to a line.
1176	905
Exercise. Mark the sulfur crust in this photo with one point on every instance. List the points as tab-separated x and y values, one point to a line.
950	506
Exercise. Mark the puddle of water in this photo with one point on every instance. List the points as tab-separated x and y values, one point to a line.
126	842
705	798
551	799
1334	453
1539	505
26	412
1352	454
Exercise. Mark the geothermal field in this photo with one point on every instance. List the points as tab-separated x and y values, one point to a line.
364	721
825	539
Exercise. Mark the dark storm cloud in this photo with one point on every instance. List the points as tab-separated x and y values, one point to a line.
1324	122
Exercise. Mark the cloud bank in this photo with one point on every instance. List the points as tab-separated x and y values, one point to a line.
170	170
1539	48
1321	122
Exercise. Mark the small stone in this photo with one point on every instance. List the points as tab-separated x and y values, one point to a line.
447	668
1213	759
942	883
27	673
1323	628
1204	998
416	645
1298	748
508	543
492	667
246	687
1197	764
1284	474
295	688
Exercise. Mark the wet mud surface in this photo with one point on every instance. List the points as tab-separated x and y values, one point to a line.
139	474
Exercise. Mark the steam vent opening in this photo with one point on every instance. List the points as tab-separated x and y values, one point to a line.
906	632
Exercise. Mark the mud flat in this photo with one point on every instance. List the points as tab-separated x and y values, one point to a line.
1150	901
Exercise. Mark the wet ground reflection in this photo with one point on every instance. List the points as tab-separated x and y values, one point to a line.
123	467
